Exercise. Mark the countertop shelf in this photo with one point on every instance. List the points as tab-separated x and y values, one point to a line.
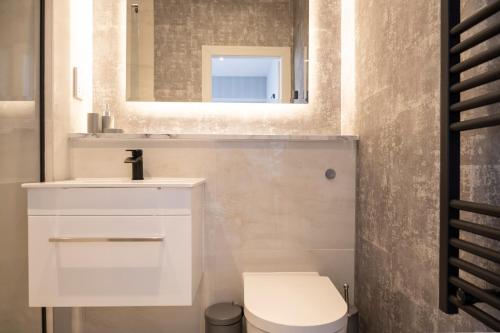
76	137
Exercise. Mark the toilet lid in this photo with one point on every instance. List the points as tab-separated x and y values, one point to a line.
293	303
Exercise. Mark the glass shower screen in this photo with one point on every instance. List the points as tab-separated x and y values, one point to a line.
19	148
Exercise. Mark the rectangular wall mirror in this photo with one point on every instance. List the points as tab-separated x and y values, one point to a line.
226	51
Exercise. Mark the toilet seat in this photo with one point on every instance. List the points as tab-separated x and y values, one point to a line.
293	303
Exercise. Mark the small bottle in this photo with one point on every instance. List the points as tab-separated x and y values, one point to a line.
107	119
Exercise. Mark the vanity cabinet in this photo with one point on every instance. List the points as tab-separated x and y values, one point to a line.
117	243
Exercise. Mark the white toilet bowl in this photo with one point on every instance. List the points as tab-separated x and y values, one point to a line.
293	303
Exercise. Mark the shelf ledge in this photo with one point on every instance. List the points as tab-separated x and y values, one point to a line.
86	137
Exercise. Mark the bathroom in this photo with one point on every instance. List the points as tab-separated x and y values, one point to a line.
314	145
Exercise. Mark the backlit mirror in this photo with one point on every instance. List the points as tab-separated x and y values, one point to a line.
226	51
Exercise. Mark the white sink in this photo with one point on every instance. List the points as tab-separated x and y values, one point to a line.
119	182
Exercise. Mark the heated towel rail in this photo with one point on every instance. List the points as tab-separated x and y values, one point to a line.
455	291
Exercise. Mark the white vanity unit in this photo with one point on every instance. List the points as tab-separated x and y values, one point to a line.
115	242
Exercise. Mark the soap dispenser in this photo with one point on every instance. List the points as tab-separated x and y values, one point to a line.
107	119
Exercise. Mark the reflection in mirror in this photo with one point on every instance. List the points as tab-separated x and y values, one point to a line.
236	51
17	33
246	79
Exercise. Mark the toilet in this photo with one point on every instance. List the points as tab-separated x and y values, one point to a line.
293	303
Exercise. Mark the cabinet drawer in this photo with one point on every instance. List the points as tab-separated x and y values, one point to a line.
109	201
110	260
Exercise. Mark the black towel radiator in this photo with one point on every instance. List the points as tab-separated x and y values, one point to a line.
455	292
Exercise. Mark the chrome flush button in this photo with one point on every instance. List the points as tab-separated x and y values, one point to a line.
330	174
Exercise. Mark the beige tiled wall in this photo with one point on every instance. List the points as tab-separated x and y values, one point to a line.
269	207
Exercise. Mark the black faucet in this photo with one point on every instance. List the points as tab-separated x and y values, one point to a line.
137	166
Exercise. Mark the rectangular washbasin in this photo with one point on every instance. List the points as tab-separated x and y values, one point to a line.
119	182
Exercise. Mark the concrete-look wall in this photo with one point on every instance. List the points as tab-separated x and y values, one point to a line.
182	28
398	82
268	207
320	116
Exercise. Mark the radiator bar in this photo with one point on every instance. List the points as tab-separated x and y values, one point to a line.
476	60
476	18
483	122
476	270
476	81
479	293
476	229
476	39
474	311
477	250
475	207
476	102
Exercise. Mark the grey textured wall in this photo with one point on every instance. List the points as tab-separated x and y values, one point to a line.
183	27
398	66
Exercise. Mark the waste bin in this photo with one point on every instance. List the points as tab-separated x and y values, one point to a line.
353	323
223	318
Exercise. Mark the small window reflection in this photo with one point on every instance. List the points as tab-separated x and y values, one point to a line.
237	79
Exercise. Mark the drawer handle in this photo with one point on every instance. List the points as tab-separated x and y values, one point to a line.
105	239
